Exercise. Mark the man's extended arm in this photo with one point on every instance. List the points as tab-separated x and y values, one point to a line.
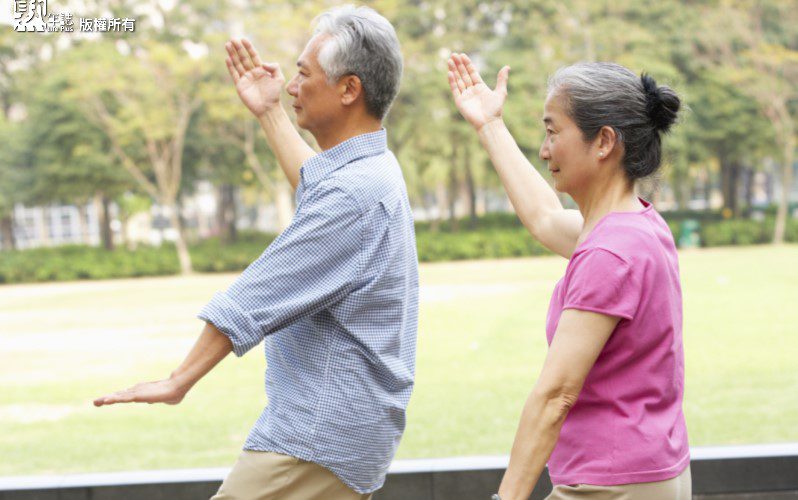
211	347
259	86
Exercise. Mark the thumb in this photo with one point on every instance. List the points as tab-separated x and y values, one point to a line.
501	80
273	69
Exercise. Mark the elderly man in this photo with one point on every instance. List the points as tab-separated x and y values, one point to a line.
335	296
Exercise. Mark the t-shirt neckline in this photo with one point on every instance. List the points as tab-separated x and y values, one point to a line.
647	207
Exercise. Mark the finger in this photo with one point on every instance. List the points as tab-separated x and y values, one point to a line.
243	55
231	51
456	75
472	70
453	85
232	70
461	86
253	54
274	70
502	78
461	69
113	399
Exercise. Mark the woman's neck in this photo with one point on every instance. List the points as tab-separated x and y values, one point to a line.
600	200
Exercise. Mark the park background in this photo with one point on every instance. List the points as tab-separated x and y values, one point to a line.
128	155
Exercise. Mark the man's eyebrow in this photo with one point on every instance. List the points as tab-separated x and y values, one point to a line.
547	120
301	64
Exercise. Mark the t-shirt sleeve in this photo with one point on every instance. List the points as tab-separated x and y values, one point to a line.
601	281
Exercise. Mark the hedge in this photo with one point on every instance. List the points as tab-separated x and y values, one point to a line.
492	237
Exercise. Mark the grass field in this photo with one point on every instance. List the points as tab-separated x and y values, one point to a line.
481	345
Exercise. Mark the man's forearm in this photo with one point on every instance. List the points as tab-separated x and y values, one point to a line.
211	347
288	146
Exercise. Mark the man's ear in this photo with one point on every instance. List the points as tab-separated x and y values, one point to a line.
351	88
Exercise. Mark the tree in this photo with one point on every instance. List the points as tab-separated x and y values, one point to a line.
144	101
754	44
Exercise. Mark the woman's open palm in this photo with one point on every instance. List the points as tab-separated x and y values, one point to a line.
474	99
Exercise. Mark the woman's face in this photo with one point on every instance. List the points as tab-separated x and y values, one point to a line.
568	155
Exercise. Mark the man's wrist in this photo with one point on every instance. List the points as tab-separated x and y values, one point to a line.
272	114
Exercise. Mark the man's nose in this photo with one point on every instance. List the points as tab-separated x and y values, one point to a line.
292	87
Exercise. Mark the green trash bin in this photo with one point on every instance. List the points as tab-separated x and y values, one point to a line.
688	234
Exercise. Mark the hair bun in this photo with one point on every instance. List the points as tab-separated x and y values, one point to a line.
662	103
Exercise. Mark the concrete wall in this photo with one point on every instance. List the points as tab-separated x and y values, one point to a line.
765	472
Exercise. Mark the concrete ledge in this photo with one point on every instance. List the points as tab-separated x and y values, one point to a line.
756	472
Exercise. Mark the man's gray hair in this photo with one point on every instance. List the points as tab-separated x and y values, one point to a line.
608	94
362	43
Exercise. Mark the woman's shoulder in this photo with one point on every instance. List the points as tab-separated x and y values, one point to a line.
628	236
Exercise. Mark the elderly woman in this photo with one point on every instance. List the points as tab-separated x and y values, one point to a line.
606	411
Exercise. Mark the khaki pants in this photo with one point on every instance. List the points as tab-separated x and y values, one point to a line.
262	475
677	488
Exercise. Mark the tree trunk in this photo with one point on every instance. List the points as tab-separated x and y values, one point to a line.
786	185
748	177
7	230
180	242
83	223
283	203
470	187
226	213
452	186
442	200
708	189
106	234
44	227
453	197
729	175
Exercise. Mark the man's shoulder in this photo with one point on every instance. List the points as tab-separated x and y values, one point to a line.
369	180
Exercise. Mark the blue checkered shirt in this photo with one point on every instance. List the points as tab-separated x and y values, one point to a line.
335	297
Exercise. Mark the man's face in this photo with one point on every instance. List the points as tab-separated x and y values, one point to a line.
317	103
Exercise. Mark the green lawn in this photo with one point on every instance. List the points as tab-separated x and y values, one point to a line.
481	345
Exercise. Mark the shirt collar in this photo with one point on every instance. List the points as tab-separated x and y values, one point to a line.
318	167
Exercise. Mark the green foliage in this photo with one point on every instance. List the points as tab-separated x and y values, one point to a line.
495	236
76	262
745	232
484	244
212	256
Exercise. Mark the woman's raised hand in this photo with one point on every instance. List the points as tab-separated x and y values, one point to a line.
477	103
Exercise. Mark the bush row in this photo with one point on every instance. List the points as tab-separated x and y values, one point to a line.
497	237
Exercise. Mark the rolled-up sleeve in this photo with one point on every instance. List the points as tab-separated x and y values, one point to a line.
312	265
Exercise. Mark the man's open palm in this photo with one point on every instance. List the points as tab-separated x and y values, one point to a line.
161	391
258	84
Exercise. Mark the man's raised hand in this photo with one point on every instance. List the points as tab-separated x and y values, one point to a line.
477	103
258	84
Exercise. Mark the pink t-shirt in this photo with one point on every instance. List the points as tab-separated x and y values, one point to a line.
627	425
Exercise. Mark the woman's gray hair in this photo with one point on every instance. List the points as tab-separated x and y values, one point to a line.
607	94
362	43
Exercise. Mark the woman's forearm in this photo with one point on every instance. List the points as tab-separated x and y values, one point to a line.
530	194
538	430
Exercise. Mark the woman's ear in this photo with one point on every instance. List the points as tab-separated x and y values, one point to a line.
607	141
352	88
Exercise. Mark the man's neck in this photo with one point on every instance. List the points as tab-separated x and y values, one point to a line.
341	132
